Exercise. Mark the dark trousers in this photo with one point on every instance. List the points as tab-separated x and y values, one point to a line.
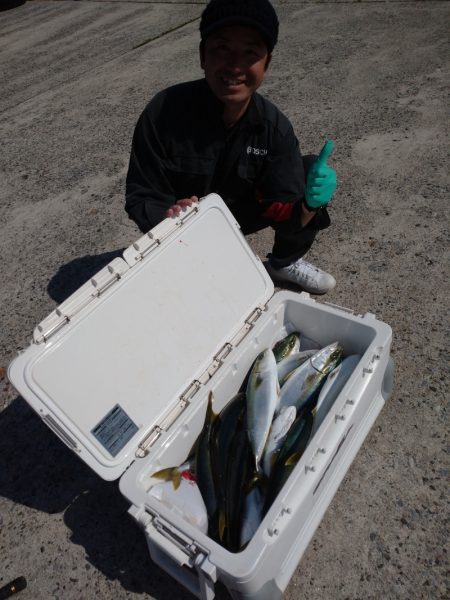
292	241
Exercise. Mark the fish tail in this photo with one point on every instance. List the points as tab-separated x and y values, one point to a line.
170	474
164	474
176	480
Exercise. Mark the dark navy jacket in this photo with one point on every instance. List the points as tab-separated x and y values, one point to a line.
181	147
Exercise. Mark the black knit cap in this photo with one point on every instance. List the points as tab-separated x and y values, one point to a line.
258	14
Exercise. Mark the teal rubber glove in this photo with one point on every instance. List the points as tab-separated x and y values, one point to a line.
321	181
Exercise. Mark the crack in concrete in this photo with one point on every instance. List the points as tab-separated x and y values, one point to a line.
161	35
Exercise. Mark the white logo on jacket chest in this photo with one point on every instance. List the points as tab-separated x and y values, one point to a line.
256	151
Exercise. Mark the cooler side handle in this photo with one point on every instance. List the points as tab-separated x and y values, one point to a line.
176	563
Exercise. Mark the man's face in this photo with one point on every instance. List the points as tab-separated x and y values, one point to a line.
235	60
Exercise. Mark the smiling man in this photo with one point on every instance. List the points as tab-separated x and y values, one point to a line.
217	134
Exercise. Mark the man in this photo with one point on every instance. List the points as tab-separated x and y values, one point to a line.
219	135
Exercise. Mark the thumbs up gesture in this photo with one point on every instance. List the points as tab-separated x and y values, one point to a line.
321	180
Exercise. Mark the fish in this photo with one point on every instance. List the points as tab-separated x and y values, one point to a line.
332	388
290	453
204	467
286	346
262	399
287	366
240	471
185	499
252	511
301	387
224	428
278	432
173	474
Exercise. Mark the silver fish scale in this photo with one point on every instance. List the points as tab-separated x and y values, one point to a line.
302	384
262	400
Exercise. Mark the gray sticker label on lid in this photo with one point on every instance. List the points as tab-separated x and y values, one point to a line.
115	430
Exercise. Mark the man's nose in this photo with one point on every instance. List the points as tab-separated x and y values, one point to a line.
235	61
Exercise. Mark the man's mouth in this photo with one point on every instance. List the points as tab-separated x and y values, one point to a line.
233	81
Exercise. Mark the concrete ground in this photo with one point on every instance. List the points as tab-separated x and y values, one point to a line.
372	76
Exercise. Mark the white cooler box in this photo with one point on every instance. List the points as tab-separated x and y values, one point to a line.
122	370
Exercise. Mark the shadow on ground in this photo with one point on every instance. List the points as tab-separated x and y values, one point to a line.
75	273
8	4
38	471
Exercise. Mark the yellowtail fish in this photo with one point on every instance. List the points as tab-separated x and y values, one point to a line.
333	387
287	366
288	345
278	432
239	472
204	467
224	428
301	387
262	400
252	512
290	453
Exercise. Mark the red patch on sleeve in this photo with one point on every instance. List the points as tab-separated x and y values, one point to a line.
279	211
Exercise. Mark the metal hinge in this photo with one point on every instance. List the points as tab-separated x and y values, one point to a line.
145	245
92	289
216	363
249	323
186	397
153	239
144	447
156	432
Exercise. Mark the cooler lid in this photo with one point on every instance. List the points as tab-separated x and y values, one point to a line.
119	360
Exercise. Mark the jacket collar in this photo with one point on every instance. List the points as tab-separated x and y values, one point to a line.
252	117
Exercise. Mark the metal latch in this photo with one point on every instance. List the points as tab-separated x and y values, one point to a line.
184	542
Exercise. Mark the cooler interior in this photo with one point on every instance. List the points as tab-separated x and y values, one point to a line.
286	312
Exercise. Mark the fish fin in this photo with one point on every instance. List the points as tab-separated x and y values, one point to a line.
164	474
293	459
170	474
258	381
222	524
176	480
210	416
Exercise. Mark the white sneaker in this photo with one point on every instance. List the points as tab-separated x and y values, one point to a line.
304	274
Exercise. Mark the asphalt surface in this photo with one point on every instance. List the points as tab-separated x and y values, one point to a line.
374	77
